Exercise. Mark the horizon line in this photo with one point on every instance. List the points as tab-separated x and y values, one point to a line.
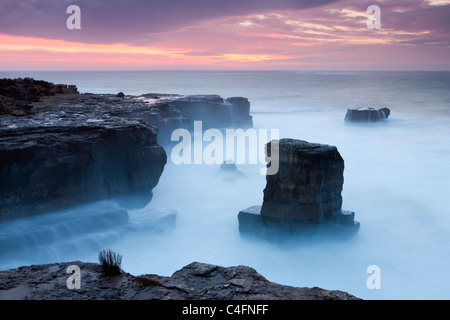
228	70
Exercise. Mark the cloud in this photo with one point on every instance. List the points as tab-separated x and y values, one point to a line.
127	21
225	34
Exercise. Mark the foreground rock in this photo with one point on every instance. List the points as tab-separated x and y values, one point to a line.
367	114
196	281
304	195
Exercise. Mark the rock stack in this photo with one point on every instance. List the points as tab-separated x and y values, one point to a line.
304	195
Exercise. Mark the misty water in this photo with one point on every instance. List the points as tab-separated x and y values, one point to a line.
396	181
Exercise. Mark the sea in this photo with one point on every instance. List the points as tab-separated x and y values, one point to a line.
396	180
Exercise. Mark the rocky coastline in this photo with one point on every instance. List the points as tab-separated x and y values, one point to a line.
60	149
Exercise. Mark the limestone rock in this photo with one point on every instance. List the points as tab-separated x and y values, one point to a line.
196	281
304	194
52	164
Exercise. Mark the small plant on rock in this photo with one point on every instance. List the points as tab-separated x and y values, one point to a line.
110	261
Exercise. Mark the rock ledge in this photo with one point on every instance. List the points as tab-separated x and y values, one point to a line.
196	281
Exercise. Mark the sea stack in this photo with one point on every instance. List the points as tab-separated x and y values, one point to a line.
303	196
365	114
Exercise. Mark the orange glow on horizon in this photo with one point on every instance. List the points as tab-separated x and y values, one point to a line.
45	51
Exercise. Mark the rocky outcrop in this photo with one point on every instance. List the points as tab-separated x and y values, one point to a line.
18	95
367	114
168	112
214	111
304	195
51	163
68	149
196	281
171	111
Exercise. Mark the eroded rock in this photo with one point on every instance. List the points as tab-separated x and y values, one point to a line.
196	281
304	195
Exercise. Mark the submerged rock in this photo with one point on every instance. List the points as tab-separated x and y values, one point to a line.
304	195
196	281
63	227
229	169
365	114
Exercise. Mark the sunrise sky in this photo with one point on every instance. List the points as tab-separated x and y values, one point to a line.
224	35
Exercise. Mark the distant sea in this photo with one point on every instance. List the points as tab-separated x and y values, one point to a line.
396	181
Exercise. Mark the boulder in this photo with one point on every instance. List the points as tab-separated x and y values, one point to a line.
304	194
169	112
365	114
60	149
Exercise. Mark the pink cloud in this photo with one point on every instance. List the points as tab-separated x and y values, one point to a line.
414	35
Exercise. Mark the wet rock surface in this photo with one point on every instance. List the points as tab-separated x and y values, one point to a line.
196	281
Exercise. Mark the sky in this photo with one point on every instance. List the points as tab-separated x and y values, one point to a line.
224	35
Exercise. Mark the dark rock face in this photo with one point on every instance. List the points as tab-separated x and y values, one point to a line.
305	193
308	185
196	281
168	112
367	114
214	111
50	164
31	90
17	95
